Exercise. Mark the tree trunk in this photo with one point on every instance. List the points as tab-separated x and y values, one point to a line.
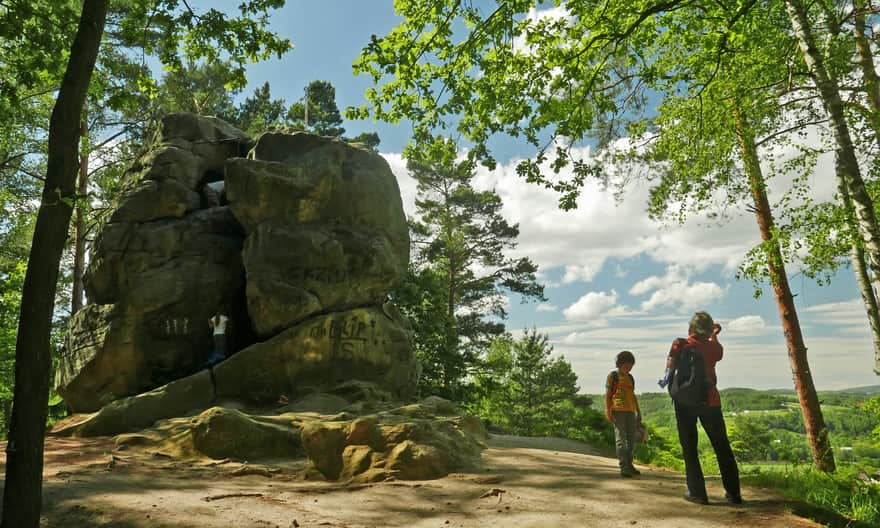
849	174
872	90
817	432
79	247
860	268
866	62
22	494
869	297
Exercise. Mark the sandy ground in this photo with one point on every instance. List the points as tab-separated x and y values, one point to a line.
525	482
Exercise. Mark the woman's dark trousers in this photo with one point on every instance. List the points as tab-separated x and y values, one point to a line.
713	424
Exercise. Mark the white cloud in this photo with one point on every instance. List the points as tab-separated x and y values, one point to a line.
674	275
406	182
601	228
684	297
582	273
848	308
573	338
593	307
747	325
547	307
846	316
675	290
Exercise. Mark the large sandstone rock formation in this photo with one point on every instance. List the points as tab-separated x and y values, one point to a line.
300	247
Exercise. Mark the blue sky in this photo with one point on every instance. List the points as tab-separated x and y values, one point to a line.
614	279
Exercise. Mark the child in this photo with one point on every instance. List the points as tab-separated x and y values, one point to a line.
622	409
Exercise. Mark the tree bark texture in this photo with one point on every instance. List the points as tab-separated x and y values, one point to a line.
860	268
872	91
22	495
863	279
866	62
817	432
849	173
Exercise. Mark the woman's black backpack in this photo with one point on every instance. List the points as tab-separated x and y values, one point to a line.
689	386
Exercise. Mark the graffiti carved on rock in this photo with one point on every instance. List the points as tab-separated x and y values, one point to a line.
298	238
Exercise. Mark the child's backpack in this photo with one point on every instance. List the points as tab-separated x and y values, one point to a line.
689	386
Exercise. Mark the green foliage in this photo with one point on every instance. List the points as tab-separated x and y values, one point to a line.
200	88
750	439
662	448
259	112
872	407
422	299
11	282
318	111
843	493
368	139
521	389
461	244
754	400
587	70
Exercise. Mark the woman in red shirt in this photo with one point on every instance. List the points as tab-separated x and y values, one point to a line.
703	336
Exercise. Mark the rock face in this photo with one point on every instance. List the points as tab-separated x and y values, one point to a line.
299	243
325	228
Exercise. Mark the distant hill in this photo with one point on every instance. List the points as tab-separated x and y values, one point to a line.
866	390
869	389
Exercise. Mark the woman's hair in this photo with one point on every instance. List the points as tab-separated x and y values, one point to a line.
701	324
625	358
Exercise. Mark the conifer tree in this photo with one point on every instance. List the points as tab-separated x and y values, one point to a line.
463	245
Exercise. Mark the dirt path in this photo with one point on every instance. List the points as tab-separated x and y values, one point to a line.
561	484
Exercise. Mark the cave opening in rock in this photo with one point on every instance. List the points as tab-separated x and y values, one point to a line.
212	189
243	334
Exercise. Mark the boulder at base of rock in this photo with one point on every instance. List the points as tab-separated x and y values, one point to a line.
227	433
178	398
393	444
412	461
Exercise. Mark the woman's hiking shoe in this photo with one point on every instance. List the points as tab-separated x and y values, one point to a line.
696	500
627	473
634	471
733	499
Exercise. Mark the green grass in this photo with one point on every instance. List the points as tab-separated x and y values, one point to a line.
839	499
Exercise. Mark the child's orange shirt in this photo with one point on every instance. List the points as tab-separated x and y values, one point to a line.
624	397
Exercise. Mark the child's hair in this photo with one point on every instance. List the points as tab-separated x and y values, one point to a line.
625	358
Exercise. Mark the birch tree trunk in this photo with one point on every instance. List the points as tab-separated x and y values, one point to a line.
860	268
22	494
866	62
849	173
79	245
817	432
857	254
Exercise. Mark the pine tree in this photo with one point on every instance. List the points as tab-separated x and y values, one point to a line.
462	242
